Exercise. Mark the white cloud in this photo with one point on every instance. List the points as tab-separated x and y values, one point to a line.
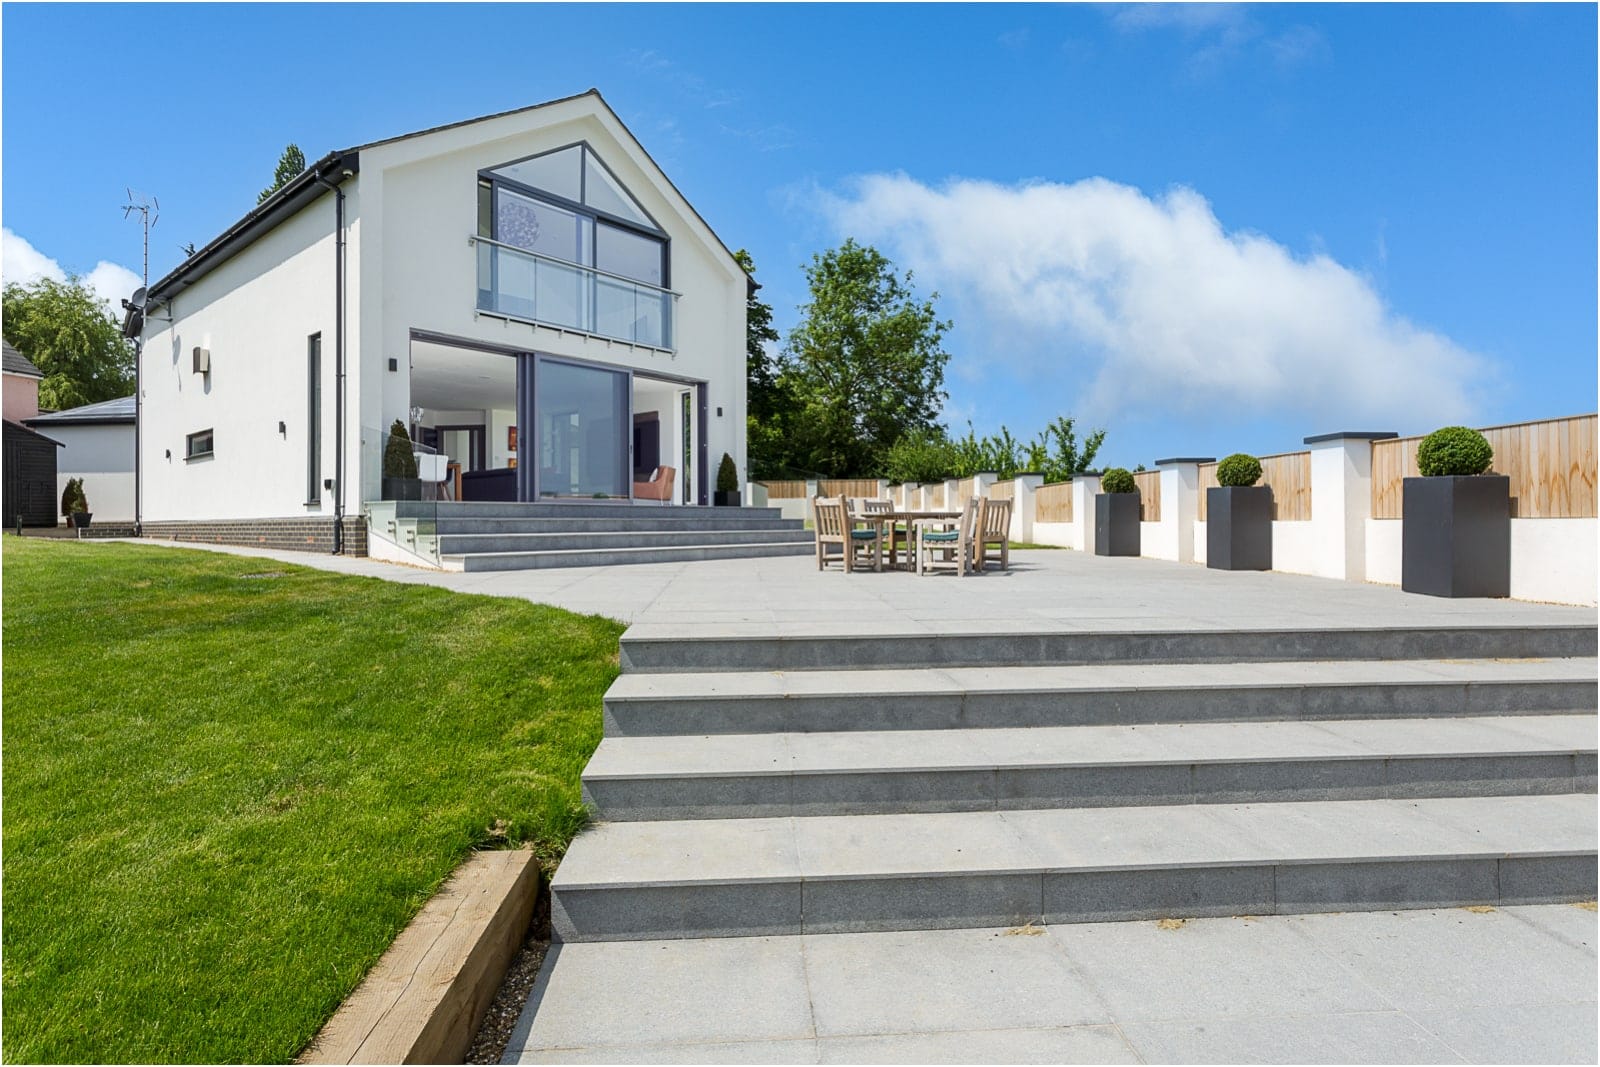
1167	310
21	262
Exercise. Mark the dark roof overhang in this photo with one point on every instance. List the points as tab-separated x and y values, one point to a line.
334	167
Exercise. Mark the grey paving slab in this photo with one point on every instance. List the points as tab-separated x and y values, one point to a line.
1494	957
1517	1033
1507	985
1068	1044
1350	1037
655	992
666	853
1213	969
1043	585
926	981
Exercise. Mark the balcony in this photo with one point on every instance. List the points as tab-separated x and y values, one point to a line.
528	287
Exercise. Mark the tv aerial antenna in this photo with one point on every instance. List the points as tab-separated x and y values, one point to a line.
149	211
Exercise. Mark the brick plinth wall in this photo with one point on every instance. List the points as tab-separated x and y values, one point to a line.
306	534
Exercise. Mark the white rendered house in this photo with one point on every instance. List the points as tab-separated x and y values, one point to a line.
527	293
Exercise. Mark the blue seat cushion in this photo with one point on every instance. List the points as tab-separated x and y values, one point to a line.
942	535
863	535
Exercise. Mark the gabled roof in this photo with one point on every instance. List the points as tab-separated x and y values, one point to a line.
334	168
17	363
106	411
17	427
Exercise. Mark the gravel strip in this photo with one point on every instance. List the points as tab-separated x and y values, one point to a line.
490	1043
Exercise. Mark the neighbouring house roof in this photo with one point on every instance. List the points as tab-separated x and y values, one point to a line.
17	363
17	426
106	411
334	168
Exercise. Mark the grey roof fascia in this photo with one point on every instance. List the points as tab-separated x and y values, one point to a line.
293	196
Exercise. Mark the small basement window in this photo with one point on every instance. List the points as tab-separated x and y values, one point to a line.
197	445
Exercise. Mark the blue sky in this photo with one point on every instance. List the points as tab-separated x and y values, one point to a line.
1207	228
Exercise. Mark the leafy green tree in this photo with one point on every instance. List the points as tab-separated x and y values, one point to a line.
290	164
865	364
72	337
1057	454
767	399
920	456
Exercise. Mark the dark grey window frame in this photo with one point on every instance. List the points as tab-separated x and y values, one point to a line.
314	419
189	451
595	215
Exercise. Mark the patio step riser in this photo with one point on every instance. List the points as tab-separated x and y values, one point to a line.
799	713
578	509
452	545
1010	789
1013	899
1066	649
630	524
524	561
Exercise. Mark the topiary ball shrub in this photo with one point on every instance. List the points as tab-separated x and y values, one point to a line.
1118	480
727	475
1454	450
1240	469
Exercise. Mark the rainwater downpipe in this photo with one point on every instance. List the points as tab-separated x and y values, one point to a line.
338	361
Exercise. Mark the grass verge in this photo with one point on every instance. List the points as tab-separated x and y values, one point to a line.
229	783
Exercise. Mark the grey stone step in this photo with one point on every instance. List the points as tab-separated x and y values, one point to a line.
465	544
762	775
611	557
844	644
749	702
572	509
643	520
837	874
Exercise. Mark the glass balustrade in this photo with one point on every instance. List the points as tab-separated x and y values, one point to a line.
524	285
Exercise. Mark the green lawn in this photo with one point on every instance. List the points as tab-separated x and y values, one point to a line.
226	793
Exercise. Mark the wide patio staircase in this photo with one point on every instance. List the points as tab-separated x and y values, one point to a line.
763	782
510	536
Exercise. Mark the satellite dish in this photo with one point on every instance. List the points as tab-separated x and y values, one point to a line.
133	313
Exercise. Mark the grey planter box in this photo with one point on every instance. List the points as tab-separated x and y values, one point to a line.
1239	528
1455	537
1116	524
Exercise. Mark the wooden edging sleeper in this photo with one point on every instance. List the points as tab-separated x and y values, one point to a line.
423	1000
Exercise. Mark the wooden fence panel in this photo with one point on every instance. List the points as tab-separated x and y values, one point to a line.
1551	464
933	496
1289	475
1003	491
867	487
1149	483
784	490
964	490
1207	480
1053	503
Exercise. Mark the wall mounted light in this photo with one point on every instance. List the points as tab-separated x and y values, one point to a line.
169	454
283	431
394	364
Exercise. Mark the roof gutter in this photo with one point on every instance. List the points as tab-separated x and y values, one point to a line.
290	198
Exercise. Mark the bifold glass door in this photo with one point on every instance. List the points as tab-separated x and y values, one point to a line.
582	415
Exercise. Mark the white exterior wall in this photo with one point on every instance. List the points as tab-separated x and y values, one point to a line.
102	455
420	271
1551	559
255	313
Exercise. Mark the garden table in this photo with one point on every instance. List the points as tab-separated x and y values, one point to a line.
909	517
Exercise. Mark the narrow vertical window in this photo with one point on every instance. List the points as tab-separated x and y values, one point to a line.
314	419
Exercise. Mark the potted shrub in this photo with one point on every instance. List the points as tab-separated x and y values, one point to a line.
1455	535
75	505
727	494
1239	517
400	466
1116	515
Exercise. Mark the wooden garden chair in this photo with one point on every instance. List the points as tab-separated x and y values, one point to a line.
956	545
835	527
994	528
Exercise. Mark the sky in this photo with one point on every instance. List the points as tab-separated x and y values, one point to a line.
1204	228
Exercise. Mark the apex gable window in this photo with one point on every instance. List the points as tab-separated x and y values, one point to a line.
197	445
568	246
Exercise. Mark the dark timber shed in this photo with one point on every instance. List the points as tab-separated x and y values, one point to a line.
29	476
